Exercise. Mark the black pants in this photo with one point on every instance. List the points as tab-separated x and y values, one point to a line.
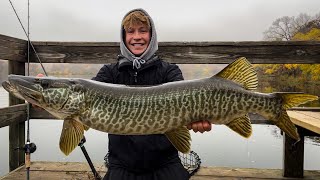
174	171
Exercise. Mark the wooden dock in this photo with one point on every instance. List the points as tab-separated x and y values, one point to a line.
74	170
306	119
279	52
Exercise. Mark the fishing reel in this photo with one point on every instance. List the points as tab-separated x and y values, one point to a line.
28	148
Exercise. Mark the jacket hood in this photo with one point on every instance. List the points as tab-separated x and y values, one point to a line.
147	57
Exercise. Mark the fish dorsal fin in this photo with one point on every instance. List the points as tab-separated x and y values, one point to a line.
241	126
180	139
71	135
240	71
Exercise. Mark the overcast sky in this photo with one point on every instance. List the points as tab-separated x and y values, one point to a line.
175	20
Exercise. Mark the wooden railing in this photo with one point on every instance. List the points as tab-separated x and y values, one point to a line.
14	50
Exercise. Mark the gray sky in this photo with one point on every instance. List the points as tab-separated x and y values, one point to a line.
175	20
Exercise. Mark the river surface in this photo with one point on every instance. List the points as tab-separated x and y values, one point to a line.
220	147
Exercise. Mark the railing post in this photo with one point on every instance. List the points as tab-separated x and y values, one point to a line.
16	130
293	157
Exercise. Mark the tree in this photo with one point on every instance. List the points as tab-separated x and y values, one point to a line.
284	28
301	28
309	32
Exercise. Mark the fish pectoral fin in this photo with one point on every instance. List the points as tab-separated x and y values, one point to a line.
242	72
71	135
180	139
241	126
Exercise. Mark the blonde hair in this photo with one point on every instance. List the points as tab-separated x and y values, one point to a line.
135	18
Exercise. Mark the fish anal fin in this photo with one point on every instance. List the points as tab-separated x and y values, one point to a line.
290	100
241	72
286	125
180	139
241	126
71	135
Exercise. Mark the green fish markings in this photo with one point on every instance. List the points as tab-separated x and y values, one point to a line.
225	98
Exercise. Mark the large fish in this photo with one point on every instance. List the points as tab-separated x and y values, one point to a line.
225	98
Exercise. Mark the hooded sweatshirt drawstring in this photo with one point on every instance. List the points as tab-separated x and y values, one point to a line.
137	62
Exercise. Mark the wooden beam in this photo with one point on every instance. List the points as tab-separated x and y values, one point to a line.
293	158
13	114
38	113
12	48
312	109
260	52
81	170
16	130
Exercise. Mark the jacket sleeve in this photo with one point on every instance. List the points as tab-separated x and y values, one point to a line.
104	74
173	73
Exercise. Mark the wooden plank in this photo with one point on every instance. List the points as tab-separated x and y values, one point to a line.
12	48
314	109
185	52
83	175
307	120
65	166
76	52
293	159
13	114
16	130
248	173
56	171
38	113
75	170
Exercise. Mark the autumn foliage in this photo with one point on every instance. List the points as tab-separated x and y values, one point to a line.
310	31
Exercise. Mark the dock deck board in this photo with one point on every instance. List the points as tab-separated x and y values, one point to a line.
306	119
76	170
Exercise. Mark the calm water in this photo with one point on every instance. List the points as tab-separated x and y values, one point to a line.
220	147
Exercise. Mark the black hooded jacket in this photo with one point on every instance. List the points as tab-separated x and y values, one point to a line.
140	153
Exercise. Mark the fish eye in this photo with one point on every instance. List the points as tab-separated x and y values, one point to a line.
44	84
37	80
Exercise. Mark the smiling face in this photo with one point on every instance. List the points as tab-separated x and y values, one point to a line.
137	38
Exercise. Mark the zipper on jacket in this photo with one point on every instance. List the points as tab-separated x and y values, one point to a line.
135	77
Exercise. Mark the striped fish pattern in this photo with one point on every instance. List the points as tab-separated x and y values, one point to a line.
225	98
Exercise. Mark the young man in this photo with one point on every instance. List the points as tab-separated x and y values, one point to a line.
149	157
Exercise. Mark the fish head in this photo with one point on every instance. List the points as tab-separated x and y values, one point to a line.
59	95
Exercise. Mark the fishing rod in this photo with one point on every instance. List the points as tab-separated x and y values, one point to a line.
27	35
28	147
31	147
83	149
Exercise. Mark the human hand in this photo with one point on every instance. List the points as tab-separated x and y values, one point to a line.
35	106
200	126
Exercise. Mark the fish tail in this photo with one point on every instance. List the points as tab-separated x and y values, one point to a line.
290	100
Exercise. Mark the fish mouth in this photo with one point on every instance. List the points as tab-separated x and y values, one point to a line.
7	86
23	86
11	89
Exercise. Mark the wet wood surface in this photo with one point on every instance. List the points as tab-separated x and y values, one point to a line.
257	52
74	170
